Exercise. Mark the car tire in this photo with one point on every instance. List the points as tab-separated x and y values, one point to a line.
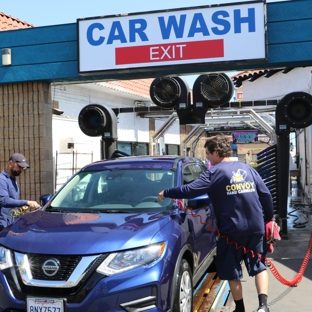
183	293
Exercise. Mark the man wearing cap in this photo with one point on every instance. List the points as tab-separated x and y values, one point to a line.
9	191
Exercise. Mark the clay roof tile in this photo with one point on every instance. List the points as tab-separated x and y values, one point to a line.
8	22
137	87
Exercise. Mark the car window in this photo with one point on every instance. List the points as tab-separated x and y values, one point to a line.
198	170
118	189
187	175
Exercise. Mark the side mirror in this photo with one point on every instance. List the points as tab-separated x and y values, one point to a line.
117	154
44	199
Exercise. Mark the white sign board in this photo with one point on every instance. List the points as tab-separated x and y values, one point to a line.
208	34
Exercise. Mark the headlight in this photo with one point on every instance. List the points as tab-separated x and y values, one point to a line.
5	258
126	260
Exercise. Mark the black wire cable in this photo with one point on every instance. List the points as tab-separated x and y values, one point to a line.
299	207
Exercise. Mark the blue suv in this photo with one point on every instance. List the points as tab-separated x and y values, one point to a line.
103	242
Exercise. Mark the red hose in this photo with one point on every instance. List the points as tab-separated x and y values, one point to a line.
297	279
293	282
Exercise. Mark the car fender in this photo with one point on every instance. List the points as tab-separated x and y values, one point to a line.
176	270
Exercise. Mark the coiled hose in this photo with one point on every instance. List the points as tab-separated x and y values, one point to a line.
293	282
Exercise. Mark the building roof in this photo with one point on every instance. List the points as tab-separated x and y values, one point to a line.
137	87
8	22
253	75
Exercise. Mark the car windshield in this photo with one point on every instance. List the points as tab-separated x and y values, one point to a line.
115	191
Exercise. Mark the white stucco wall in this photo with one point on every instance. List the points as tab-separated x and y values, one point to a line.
66	130
278	85
130	128
172	135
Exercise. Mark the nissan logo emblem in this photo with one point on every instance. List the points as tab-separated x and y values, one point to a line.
50	267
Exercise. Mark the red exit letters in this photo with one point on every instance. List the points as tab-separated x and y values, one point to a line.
170	52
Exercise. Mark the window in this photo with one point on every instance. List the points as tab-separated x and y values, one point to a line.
198	170
187	175
139	149
124	147
115	189
133	148
172	149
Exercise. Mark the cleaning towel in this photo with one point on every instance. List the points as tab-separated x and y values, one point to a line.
272	234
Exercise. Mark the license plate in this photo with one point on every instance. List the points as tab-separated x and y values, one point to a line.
45	305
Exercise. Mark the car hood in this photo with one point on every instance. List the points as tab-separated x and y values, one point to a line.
76	233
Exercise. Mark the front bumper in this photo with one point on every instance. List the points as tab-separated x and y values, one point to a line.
140	289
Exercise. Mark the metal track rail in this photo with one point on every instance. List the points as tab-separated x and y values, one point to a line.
211	294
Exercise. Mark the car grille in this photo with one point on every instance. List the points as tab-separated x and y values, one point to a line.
67	266
39	285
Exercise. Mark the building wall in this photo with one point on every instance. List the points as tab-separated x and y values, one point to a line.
26	127
131	128
278	85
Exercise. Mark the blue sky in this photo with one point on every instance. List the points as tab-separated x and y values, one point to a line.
54	12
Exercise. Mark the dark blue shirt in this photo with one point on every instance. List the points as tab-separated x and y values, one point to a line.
9	194
241	200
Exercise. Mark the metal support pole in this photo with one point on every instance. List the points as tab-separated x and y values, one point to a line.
107	148
283	179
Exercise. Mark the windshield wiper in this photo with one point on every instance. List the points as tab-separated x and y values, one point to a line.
105	211
58	210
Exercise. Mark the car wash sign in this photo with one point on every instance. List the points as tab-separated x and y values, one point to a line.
188	36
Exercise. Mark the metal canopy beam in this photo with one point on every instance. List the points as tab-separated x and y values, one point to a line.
146	111
51	53
219	117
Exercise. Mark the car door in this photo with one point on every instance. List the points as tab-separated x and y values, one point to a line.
201	221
